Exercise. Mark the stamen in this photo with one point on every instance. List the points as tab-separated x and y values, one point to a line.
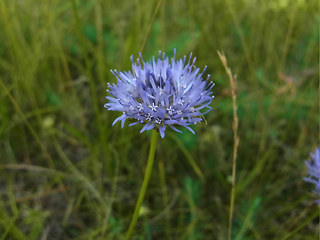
181	102
153	107
140	107
170	110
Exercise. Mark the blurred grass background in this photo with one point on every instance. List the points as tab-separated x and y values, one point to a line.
65	173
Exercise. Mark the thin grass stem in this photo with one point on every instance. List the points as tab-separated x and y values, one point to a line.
150	25
31	129
301	225
235	124
241	36
189	157
165	197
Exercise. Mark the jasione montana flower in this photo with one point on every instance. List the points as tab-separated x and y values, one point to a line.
314	171
161	94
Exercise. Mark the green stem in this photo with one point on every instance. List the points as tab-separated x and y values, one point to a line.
144	184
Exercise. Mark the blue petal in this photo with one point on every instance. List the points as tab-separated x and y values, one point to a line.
145	127
175	129
190	129
118	119
161	130
123	121
131	124
151	126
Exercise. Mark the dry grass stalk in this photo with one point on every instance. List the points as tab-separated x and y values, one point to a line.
232	79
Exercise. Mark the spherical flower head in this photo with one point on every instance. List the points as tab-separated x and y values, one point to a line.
314	167
161	93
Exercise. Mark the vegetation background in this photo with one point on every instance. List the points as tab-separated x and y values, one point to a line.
65	173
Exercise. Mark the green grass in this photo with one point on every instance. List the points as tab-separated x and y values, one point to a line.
65	173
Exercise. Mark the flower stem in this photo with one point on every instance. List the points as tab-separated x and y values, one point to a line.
144	184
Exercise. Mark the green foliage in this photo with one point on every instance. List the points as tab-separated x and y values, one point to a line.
246	220
65	173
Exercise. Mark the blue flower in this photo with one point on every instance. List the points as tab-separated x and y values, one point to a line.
313	167
161	94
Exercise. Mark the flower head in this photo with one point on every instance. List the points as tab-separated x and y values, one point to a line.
314	167
161	94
